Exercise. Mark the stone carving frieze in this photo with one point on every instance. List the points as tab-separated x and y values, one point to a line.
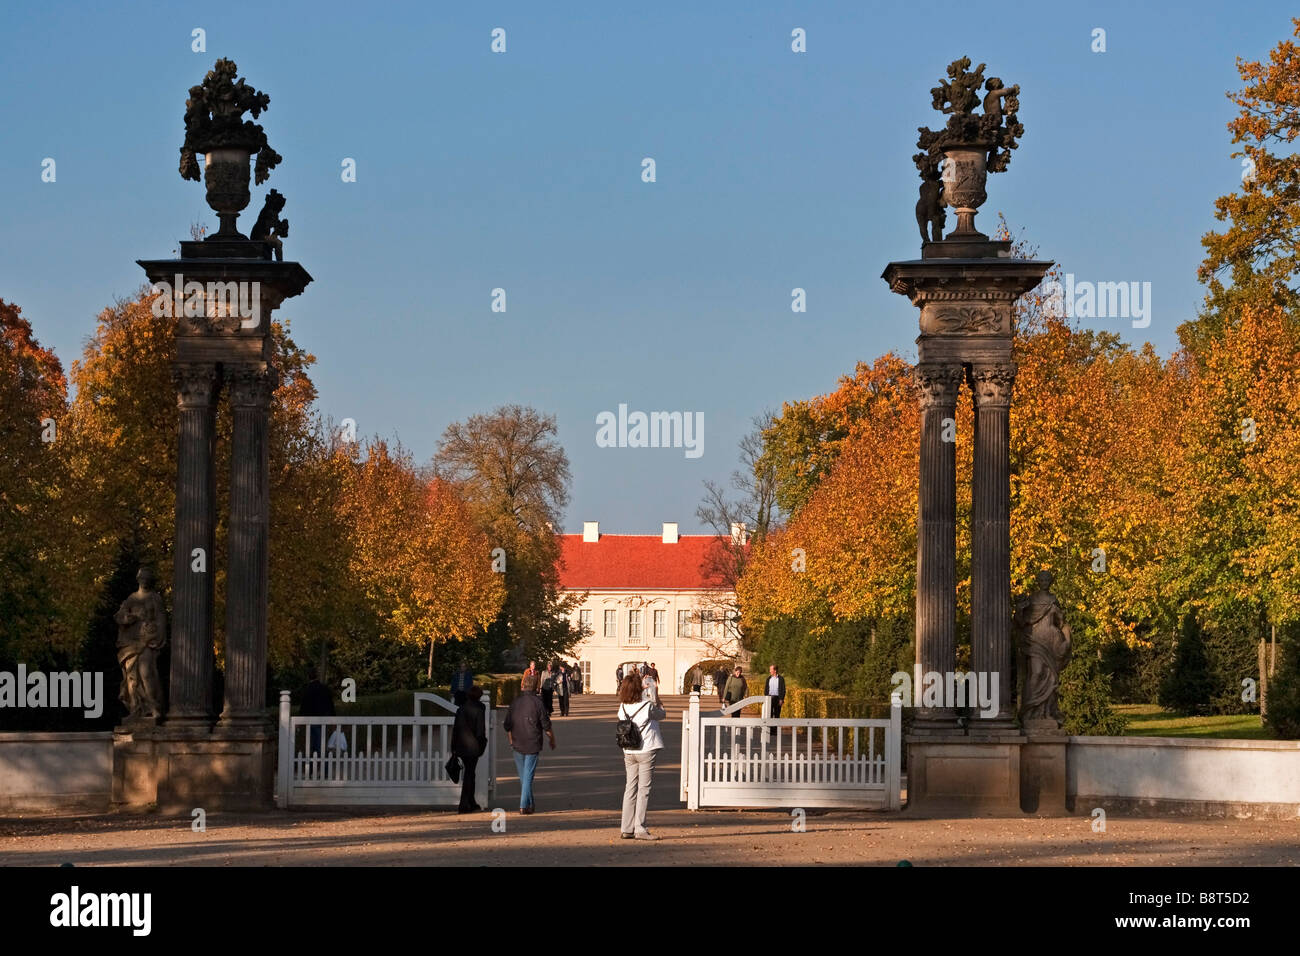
965	319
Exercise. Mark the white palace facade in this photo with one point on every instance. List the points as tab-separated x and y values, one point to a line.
648	598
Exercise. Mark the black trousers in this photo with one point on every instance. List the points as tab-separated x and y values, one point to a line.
564	705
776	711
548	699
468	766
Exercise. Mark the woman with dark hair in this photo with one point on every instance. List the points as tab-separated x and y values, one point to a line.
639	761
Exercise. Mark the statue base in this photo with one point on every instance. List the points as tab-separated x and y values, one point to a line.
967	248
176	770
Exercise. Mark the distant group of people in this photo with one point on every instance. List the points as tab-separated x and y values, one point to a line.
529	730
556	684
646	670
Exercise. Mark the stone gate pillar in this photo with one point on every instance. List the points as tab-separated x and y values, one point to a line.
197	387
246	579
936	533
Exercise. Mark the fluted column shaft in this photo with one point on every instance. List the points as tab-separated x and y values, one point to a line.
246	578
197	387
936	539
991	534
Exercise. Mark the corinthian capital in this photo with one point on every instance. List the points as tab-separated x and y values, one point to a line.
196	384
251	384
938	384
991	384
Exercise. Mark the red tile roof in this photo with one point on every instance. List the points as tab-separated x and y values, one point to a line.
636	561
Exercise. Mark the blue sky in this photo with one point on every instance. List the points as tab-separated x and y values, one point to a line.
522	171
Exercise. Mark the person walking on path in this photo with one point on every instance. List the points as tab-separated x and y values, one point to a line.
639	761
562	690
525	724
548	690
735	690
776	692
461	682
468	741
618	678
719	680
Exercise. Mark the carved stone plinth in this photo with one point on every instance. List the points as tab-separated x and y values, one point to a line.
957	774
174	772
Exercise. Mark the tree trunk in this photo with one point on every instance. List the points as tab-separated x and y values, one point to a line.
428	674
1263	681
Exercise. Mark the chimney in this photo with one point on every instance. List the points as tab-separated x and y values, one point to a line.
590	531
670	532
739	533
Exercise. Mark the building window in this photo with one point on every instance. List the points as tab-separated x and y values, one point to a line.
611	623
584	622
683	624
634	627
661	625
586	675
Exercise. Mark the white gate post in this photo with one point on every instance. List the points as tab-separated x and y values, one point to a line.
686	754
482	783
696	755
284	754
894	755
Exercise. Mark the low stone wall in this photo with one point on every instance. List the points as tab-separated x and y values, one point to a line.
1230	778
45	771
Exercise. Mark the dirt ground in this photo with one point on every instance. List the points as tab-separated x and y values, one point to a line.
578	794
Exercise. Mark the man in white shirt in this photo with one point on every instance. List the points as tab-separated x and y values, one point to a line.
775	691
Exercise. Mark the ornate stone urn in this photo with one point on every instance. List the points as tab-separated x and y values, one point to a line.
225	173
970	146
965	171
215	126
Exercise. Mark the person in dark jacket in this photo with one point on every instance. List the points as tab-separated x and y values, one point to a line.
525	724
468	741
316	702
548	689
736	689
460	684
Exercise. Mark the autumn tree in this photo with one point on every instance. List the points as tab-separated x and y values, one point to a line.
1259	252
515	476
422	561
33	493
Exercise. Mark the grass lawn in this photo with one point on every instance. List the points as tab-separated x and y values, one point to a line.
1151	720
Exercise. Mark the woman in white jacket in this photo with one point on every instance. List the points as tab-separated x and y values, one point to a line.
639	763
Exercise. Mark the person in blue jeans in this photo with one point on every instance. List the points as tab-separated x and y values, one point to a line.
526	723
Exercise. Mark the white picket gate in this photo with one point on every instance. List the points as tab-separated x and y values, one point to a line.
733	761
382	761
